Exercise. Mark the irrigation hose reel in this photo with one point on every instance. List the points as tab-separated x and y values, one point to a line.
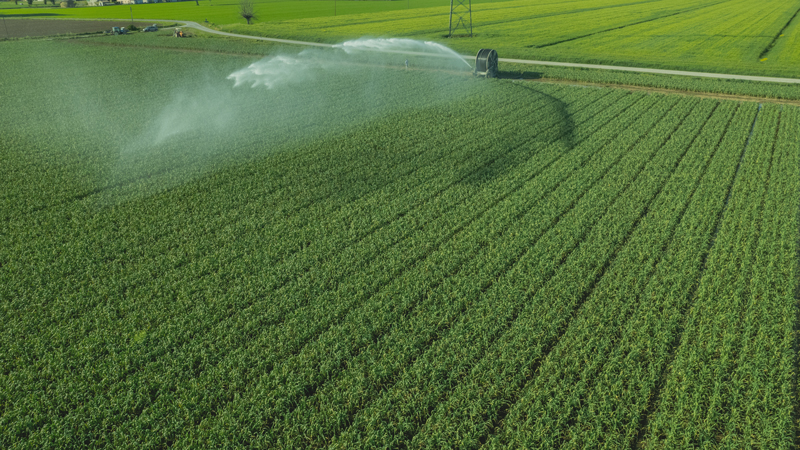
486	63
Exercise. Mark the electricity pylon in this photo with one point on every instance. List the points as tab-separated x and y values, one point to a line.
461	10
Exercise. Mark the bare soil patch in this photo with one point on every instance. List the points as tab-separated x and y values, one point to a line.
20	28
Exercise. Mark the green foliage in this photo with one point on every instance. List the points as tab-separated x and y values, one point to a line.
385	257
737	36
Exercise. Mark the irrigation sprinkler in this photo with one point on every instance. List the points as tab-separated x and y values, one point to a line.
486	63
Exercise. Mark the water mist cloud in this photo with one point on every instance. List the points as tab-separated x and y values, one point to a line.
364	55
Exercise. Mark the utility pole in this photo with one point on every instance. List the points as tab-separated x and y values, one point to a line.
462	11
131	7
6	26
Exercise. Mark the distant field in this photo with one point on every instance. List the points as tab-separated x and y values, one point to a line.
708	35
225	11
732	36
32	28
360	255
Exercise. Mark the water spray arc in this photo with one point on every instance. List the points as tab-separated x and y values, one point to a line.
462	11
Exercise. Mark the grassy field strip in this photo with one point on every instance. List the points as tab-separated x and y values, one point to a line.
549	402
778	35
158	291
708	348
717	37
203	311
432	318
783	47
761	391
498	314
231	209
423	278
317	317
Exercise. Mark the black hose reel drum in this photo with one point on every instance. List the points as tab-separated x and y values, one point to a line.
486	63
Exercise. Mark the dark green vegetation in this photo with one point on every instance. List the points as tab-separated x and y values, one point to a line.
381	257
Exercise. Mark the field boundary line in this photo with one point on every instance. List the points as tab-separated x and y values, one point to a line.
774	41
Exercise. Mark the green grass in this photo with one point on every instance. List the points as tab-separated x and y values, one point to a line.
736	36
710	36
367	256
225	11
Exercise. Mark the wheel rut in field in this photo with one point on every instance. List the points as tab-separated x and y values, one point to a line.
774	41
550	44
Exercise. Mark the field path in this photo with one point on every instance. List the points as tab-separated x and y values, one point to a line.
537	63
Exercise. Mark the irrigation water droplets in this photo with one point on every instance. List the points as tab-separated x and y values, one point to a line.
359	56
295	99
401	46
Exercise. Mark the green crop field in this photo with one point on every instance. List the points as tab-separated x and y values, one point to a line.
222	11
714	36
728	36
200	248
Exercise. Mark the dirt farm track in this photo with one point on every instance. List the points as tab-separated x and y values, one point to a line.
20	28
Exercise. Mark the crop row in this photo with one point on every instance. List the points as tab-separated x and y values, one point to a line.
731	383
440	298
592	367
201	309
478	403
136	302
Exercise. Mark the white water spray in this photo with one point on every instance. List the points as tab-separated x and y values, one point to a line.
401	46
310	64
